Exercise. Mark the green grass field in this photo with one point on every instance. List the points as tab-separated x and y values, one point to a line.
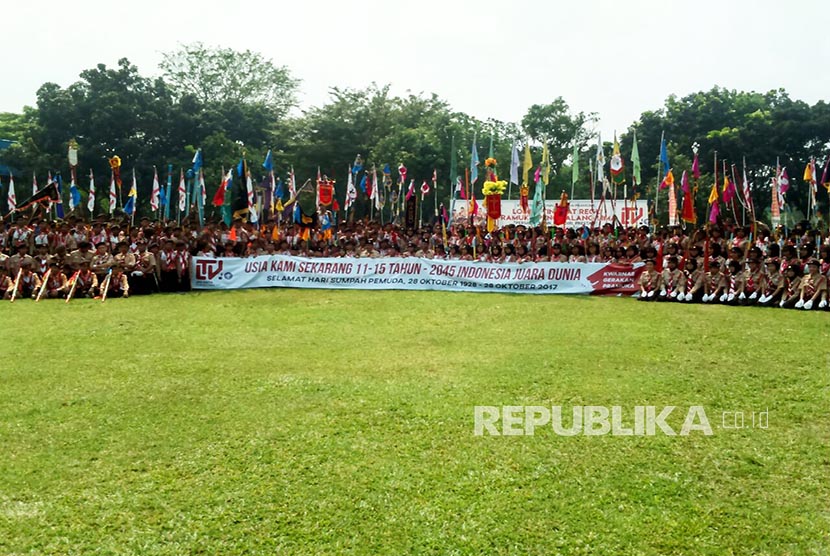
338	422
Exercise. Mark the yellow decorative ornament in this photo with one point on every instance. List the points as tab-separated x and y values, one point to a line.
115	162
494	187
490	162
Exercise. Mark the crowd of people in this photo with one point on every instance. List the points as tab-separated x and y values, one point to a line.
729	264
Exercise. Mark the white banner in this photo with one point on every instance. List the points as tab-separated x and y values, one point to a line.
581	212
283	271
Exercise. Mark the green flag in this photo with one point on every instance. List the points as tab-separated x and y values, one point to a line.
635	160
537	212
575	163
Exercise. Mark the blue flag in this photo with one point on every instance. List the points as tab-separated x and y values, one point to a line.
197	162
240	168
363	183
474	163
269	162
279	193
75	194
664	158
297	213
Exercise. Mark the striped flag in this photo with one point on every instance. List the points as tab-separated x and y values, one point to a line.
113	199
182	192
249	186
34	184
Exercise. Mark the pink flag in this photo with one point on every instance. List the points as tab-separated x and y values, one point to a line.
714	211
537	174
784	182
684	183
696	168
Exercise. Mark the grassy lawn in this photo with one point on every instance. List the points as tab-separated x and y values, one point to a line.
341	422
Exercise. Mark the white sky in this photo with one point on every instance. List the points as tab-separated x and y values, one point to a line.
487	58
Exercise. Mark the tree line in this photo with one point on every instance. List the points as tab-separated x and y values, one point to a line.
231	103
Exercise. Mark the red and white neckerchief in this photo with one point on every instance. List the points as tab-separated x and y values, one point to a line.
750	284
731	284
42	266
690	282
670	285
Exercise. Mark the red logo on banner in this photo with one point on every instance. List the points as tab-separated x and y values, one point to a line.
207	269
615	278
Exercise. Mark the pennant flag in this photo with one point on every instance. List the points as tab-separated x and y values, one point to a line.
279	190
357	167
560	213
113	198
695	163
269	161
747	190
514	164
59	200
182	192
713	194
575	164
527	164
664	155
617	165
132	197
202	190
728	190
538	211
90	202
459	188
375	195
292	184
34	183
600	160
688	213
197	161
156	191
808	173
411	190
402	173
249	187
668	181
714	211
74	193
351	191
11	198
473	163
424	188
219	197
545	164
635	161
784	182
363	181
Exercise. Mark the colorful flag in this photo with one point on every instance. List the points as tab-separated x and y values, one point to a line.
351	191
202	189
74	193
695	163
268	164
783	182
560	213
537	213
132	197
411	190
688	215
219	197
673	203
197	161
668	180
617	165
11	198
90	203
728	190
375	196
424	188
664	155
156	191
59	200
292	184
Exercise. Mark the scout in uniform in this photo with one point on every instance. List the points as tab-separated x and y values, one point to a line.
16	261
81	255
29	282
118	284
773	284
673	280
813	288
6	283
56	283
649	281
752	281
792	286
102	261
714	282
733	288
695	281
87	282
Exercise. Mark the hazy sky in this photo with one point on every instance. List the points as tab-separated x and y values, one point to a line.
487	58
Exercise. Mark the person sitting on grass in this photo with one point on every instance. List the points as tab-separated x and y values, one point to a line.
649	281
813	288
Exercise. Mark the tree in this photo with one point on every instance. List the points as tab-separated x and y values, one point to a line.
226	76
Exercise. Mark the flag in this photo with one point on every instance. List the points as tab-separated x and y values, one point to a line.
12	199
113	198
747	191
672	203
424	188
824	174
202	189
375	196
600	160
74	193
560	213
473	163
411	190
545	164
728	190
249	188
635	161
617	165
182	192
668	180
783	182
227	179
197	161
664	155
362	186
269	161
537	213
59	200
527	164
34	183
514	164
713	194
132	197
292	184
156	192
90	203
45	195
575	163
688	213
351	191
695	164
459	188
714	208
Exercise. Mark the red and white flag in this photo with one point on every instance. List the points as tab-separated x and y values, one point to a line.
113	198
154	196
90	203
12	199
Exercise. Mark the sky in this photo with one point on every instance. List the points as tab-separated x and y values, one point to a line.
486	58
